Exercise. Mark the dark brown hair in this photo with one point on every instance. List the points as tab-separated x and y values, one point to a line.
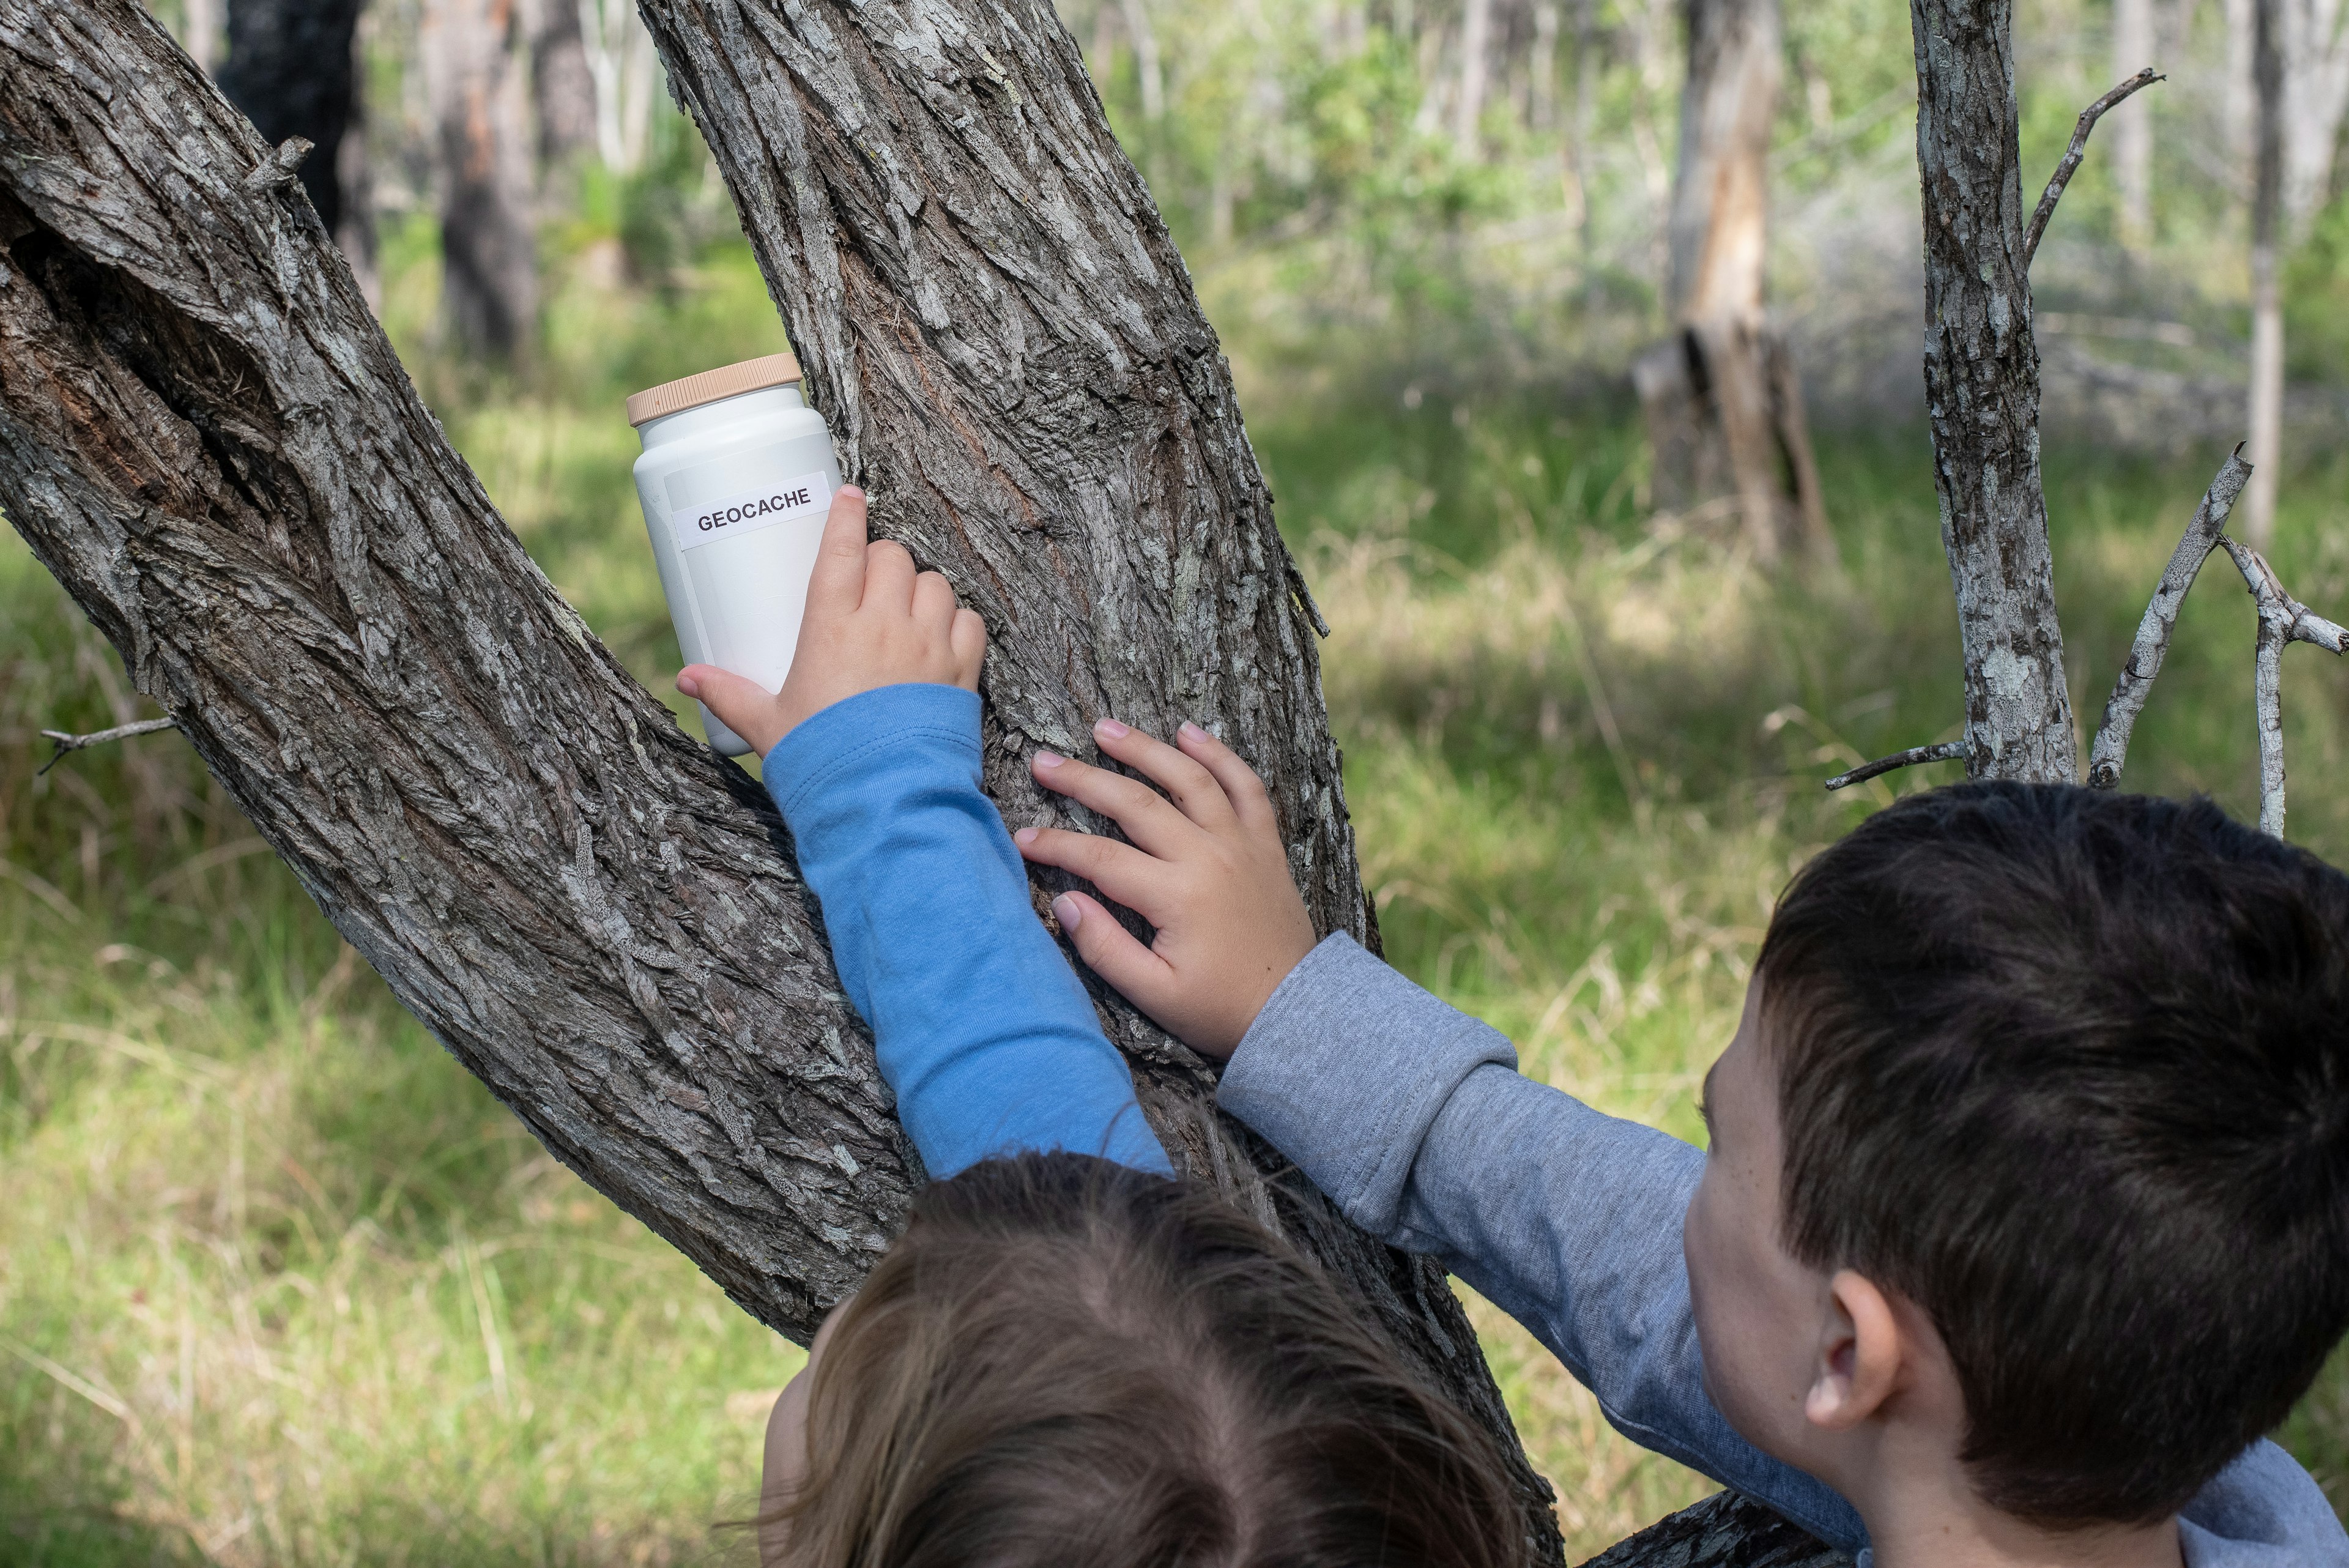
1064	1362
2070	1070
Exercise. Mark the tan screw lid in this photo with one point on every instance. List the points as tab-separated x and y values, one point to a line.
726	381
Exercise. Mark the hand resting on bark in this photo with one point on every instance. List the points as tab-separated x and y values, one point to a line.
1067	1359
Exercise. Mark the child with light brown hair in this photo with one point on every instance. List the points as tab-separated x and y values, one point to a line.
1070	1357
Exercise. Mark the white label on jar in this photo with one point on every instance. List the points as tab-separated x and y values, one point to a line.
748	511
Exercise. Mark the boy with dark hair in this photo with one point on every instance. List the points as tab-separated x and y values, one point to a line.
2026	1209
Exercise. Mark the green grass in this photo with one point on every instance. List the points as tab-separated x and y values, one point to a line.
280	1283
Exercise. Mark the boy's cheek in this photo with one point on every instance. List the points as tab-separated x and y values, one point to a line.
1734	1338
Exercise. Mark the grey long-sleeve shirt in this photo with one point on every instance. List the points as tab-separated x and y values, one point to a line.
1412	1115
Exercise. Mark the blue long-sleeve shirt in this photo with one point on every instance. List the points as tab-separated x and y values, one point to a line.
1412	1115
980	1026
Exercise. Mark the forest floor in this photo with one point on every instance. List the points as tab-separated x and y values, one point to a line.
279	1284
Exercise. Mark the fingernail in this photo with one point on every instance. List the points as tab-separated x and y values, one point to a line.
1049	759
1025	835
688	685
1110	729
1192	731
855	489
1069	912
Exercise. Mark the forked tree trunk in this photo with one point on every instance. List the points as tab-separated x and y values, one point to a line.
206	438
1723	405
1982	389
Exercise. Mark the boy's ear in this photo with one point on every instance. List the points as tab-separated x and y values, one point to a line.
1862	1347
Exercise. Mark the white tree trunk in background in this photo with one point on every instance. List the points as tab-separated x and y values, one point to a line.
623	67
2315	42
1724	414
2131	122
1146	69
1475	42
476	87
2268	73
201	33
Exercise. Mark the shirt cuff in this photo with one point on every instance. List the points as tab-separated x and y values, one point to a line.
1347	1068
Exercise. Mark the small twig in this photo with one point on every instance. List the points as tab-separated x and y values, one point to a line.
2153	633
2282	618
68	741
2072	156
279	168
1946	752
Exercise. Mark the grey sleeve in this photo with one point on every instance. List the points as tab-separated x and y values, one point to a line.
1412	1115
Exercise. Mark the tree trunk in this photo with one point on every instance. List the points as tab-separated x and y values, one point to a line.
1981	389
1469	113
2131	123
2266	413
1722	408
474	83
201	33
2315	42
562	87
289	69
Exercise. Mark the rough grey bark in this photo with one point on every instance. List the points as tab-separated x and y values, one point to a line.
1721	1531
474	54
1722	406
1981	385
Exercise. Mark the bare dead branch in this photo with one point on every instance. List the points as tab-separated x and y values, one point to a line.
1946	752
281	168
68	741
2072	156
2267	685
2282	618
2153	633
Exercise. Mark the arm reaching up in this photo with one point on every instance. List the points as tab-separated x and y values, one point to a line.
872	754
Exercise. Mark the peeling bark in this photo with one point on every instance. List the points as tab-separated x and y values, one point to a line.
1981	385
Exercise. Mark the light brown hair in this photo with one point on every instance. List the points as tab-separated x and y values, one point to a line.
1064	1362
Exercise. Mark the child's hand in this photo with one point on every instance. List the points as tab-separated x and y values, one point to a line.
870	622
1206	870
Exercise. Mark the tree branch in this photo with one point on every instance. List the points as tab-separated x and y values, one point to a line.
2282	618
2072	156
68	742
2153	633
1945	751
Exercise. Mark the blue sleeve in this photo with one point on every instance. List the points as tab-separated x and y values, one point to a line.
981	1028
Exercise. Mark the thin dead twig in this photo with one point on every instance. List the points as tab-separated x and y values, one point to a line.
2072	156
68	742
2153	633
2283	619
1946	752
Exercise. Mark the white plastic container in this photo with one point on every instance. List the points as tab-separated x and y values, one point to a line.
736	477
